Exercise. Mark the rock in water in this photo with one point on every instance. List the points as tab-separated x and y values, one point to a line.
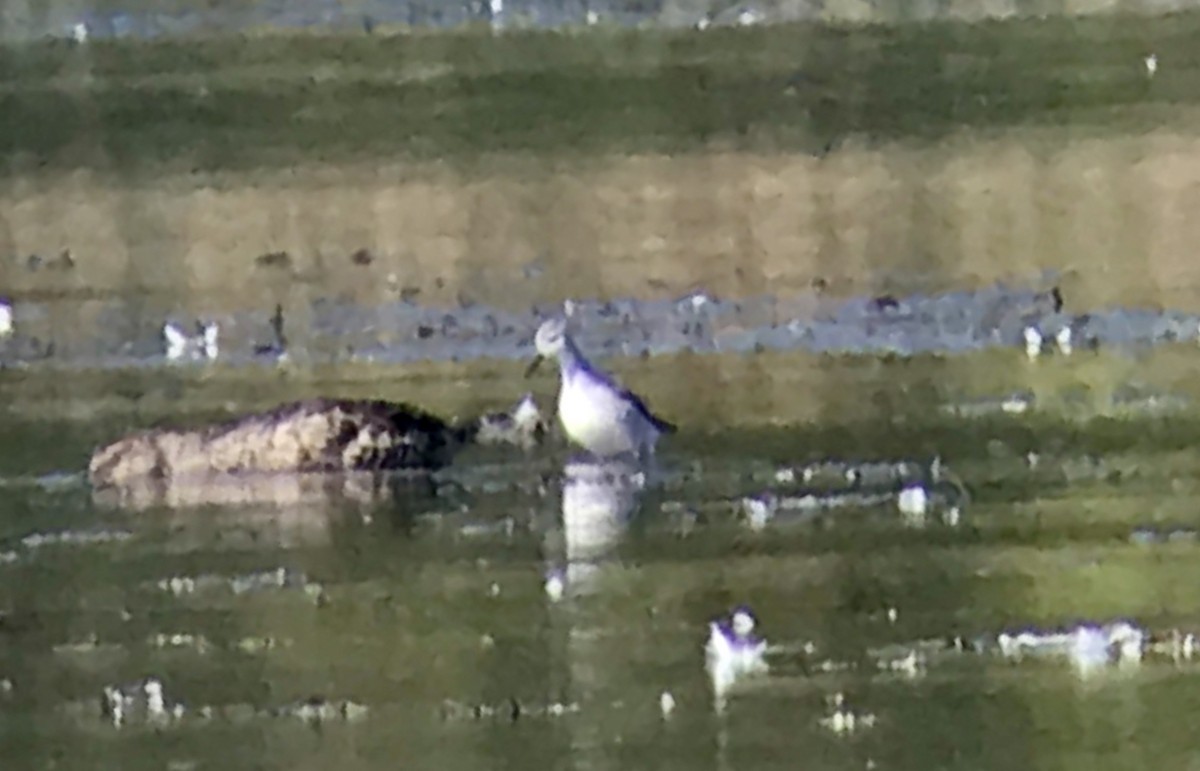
302	437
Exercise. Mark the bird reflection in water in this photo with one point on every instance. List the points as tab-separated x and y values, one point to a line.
598	501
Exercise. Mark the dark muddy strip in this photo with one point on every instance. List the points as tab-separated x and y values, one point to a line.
955	322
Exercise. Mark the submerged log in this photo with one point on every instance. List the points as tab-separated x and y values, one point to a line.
317	435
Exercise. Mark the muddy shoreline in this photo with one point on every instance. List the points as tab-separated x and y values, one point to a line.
955	322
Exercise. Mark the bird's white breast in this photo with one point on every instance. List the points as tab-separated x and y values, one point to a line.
595	416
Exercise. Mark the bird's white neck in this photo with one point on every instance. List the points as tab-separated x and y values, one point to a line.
570	359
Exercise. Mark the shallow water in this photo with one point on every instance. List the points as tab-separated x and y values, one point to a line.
850	336
410	626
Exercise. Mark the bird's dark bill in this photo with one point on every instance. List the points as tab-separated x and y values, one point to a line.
533	365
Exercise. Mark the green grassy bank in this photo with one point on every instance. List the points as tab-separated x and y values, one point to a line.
244	102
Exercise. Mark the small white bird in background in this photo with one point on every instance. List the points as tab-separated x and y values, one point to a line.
137	702
114	704
1063	338
733	641
210	333
176	341
6	318
155	703
913	501
733	652
1151	63
555	585
1033	342
202	345
666	704
749	17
